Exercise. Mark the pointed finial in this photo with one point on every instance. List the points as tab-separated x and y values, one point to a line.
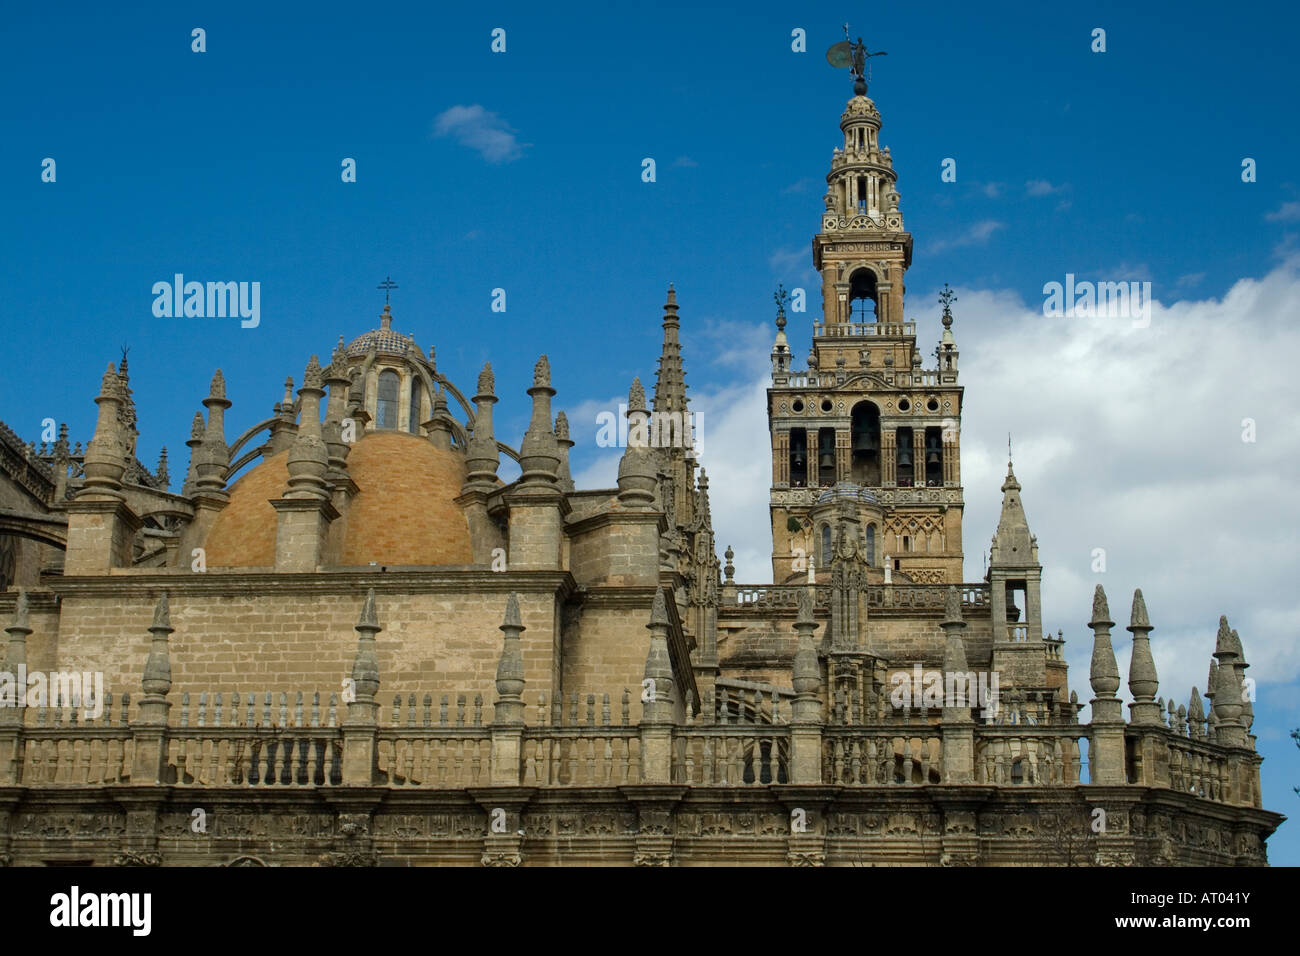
805	602
513	619
659	609
542	372
1138	618
486	380
20	610
952	606
218	388
197	428
340	356
636	396
162	613
311	378
562	426
1100	609
369	617
672	298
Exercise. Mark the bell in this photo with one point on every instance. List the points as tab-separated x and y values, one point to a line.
932	457
827	460
905	459
799	459
864	442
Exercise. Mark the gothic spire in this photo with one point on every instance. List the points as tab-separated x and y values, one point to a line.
670	381
1013	545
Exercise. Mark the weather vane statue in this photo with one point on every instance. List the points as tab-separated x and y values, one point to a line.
854	56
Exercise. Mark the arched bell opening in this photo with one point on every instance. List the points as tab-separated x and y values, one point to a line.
864	301
865	444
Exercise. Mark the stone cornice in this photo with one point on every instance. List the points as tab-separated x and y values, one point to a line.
266	581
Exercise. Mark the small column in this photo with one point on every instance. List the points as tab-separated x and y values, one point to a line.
508	713
149	729
889	457
806	716
657	699
918	457
565	443
362	721
11	715
958	729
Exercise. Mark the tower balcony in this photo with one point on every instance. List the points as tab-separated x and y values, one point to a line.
854	330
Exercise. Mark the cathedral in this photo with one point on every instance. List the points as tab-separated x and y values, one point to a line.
347	640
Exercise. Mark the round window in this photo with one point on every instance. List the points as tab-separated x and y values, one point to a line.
797	404
932	404
904	404
826	405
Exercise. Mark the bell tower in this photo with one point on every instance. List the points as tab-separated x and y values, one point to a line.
865	421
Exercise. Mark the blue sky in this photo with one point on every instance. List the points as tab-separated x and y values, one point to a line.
225	165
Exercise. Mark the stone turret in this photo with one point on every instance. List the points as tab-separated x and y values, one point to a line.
1015	580
1142	681
539	456
1227	689
101	526
332	431
194	443
482	459
537	505
214	455
636	472
1107	753
440	422
564	443
304	512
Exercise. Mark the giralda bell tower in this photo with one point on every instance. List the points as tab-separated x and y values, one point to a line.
866	439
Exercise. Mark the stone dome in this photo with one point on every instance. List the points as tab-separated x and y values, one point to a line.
404	513
384	340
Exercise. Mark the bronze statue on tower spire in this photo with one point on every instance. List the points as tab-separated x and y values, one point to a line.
854	56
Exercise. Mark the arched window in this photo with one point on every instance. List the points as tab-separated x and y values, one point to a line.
871	545
414	426
826	546
386	406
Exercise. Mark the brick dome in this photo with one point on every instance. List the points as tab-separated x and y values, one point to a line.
404	513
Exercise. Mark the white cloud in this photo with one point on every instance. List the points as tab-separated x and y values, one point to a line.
977	234
1041	187
481	130
1287	212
